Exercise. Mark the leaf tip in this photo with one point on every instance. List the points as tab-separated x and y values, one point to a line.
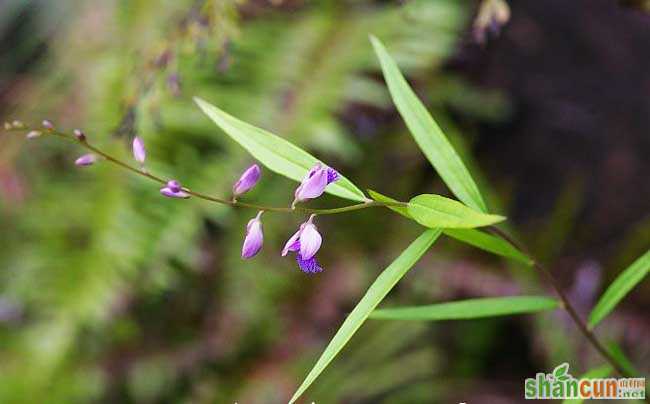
376	43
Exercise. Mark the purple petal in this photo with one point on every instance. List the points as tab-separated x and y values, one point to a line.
139	152
310	241
254	239
86	160
293	244
309	266
312	187
312	171
170	193
174	186
247	180
332	175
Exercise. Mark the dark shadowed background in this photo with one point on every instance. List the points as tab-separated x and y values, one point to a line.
110	293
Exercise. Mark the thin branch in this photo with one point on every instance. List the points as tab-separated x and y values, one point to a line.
84	143
565	302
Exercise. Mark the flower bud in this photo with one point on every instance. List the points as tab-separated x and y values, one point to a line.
139	152
48	125
86	160
79	135
33	134
247	180
174	190
254	237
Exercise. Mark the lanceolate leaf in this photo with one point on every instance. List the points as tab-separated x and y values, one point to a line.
617	352
619	288
489	243
437	211
377	291
427	133
276	153
472	237
468	309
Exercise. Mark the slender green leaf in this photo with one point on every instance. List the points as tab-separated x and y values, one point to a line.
468	309
377	291
276	153
472	237
489	243
437	211
617	352
427	133
619	288
599	372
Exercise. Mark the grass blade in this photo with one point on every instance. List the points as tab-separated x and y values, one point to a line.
489	243
619	288
617	352
276	153
436	211
427	133
377	291
469	309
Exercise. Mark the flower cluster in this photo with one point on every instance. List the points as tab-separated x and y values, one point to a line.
307	240
305	243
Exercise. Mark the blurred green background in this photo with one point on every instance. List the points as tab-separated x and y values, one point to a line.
110	293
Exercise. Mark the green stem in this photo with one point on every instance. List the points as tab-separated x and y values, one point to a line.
206	197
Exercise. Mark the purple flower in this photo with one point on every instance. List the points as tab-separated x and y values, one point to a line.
139	152
305	243
174	190
254	237
314	183
247	180
86	160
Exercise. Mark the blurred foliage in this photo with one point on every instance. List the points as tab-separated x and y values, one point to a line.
110	293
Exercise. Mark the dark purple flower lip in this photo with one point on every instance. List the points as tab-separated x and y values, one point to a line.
310	266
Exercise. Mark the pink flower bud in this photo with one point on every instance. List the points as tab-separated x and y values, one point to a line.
86	160
139	152
247	180
174	190
48	125
254	237
79	135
